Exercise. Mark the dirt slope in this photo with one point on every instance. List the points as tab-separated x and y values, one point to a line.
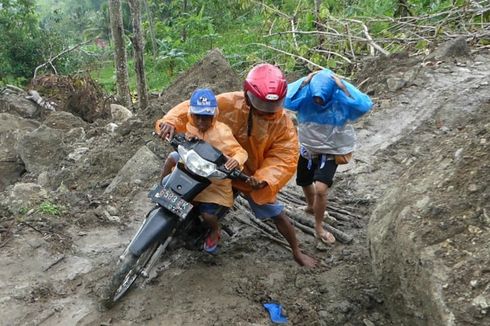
54	263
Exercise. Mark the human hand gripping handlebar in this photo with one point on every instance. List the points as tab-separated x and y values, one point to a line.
180	139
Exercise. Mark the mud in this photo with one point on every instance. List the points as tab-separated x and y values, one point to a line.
54	266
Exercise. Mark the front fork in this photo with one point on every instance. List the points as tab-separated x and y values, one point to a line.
160	250
136	235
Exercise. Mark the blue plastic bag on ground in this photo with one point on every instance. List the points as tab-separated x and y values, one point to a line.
275	313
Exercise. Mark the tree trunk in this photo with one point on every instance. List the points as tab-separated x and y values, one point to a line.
402	9
318	26
120	56
152	30
139	62
184	29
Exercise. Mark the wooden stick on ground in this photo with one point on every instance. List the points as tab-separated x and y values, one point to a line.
339	235
308	220
265	233
268	231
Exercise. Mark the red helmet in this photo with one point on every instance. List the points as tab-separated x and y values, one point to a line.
265	87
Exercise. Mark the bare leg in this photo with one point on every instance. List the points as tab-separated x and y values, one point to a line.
287	230
212	221
169	164
309	192
319	207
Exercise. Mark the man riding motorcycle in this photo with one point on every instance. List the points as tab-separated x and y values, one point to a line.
260	125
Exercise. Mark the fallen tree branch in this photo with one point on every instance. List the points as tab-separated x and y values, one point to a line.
335	212
339	235
273	9
54	263
303	217
290	54
12	88
334	53
306	229
259	225
370	39
343	212
50	60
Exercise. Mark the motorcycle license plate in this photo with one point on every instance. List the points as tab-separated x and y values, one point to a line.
168	199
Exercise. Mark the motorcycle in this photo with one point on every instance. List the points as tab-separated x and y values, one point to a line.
174	217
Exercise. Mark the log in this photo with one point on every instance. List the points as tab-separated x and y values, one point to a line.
265	233
257	224
339	235
309	219
343	211
304	228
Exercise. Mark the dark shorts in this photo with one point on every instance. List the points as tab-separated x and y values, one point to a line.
316	172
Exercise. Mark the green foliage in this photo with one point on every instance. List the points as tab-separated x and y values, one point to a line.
31	41
179	33
49	208
21	39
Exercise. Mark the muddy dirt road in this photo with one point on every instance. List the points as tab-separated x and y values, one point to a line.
53	270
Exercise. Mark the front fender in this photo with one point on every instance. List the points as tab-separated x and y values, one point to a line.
158	226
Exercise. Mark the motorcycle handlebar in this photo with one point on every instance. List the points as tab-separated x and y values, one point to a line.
239	175
179	138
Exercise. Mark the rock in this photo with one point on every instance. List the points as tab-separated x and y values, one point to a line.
112	210
43	179
143	166
322	314
482	301
119	113
367	322
12	129
111	127
78	153
458	153
75	135
26	195
115	219
15	103
42	149
130	125
344	306
64	121
395	83
451	49
213	71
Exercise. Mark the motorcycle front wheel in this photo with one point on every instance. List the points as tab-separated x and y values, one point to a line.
128	270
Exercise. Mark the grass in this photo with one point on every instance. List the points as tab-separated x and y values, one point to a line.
49	208
160	73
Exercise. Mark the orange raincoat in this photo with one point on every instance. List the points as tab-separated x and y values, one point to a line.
272	146
220	136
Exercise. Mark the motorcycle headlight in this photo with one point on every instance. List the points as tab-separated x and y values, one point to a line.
198	165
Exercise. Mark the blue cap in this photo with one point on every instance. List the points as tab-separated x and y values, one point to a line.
203	102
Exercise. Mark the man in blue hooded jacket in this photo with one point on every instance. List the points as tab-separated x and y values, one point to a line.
325	106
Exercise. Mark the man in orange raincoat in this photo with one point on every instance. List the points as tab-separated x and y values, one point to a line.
263	129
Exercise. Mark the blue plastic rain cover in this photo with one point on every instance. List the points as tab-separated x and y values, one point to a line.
338	108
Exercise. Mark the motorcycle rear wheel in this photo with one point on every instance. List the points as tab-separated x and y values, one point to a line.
128	270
